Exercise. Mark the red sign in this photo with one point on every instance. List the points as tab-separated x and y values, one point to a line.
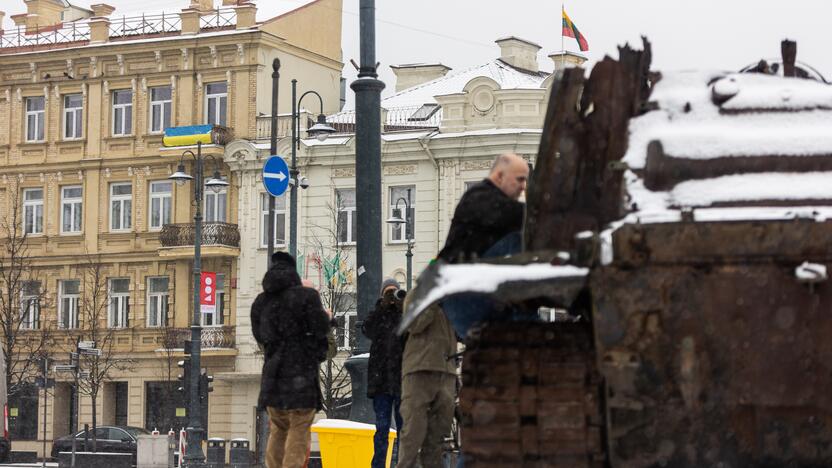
208	292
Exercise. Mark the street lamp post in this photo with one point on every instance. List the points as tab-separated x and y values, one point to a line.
193	455
408	230
320	130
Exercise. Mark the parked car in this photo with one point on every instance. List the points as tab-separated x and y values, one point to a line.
114	439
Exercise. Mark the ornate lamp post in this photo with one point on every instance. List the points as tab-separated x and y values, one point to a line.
408	229
194	455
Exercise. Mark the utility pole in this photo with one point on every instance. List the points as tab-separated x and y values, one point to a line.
368	201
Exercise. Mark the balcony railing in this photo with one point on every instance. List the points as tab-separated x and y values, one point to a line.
284	125
221	337
182	235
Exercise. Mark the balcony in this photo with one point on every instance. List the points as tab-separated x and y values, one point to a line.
218	240
212	338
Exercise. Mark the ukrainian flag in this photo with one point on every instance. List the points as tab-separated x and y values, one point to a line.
188	136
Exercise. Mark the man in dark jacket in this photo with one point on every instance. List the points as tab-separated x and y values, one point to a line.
290	323
384	370
487	223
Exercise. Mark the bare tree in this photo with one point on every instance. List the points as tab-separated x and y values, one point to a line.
93	326
337	294
25	335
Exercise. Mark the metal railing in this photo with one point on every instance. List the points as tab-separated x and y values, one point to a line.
212	337
69	32
145	24
182	235
126	26
284	125
219	18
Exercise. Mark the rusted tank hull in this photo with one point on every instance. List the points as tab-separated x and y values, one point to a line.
714	365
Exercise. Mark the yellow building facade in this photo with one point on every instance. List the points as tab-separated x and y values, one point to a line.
82	110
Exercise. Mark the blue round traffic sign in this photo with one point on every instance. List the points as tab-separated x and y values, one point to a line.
276	176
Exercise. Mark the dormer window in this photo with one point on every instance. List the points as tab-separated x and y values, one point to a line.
424	113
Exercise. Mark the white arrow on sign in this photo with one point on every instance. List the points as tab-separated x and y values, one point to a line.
279	176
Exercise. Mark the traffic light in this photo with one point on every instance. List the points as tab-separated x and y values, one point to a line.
183	377
205	385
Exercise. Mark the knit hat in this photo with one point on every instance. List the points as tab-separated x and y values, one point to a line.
284	258
387	283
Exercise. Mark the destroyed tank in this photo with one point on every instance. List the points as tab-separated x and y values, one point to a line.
683	221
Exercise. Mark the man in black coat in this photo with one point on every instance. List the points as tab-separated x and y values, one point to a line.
384	369
289	322
487	223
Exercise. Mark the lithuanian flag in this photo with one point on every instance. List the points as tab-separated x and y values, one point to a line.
570	30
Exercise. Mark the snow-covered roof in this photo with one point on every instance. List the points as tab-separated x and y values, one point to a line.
409	101
731	146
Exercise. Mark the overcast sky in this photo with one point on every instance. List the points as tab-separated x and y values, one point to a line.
725	34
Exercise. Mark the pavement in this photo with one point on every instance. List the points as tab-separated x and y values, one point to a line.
29	465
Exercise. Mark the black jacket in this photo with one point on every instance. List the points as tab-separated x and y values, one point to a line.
384	369
483	216
289	321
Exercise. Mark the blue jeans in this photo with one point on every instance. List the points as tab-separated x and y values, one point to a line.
385	407
464	311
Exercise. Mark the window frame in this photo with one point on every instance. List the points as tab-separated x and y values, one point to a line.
126	108
73	299
218	97
264	220
349	318
121	199
37	214
76	204
165	109
161	300
412	204
39	116
74	115
210	215
350	210
29	320
160	196
118	305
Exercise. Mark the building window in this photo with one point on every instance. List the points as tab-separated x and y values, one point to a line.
160	109
73	112
160	203
23	413
68	291
119	303
215	318
397	231
35	118
122	112
157	301
216	103
33	211
345	331
279	220
71	209
215	205
121	206
347	229
30	305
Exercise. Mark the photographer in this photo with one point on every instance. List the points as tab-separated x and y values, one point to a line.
384	372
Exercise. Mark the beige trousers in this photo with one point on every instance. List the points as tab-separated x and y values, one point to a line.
427	410
289	437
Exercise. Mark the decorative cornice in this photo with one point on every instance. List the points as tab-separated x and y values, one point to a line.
343	172
476	165
400	169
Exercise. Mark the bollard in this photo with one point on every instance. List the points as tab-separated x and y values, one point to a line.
239	454
216	452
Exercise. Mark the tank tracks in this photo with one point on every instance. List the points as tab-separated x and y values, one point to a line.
531	397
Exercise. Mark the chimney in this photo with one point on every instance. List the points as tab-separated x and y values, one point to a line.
410	75
2	16
102	9
42	14
202	5
519	53
566	59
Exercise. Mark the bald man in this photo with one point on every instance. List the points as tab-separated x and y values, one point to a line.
488	212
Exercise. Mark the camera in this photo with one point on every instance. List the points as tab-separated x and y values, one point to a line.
400	294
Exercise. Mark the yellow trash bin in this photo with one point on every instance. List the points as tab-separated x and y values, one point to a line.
348	444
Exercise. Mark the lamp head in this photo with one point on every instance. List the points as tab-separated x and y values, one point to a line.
180	176
321	130
216	183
